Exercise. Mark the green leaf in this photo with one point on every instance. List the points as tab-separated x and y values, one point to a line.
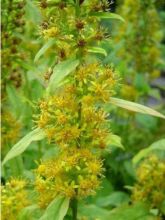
57	209
114	199
97	50
114	140
162	208
158	145
137	211
32	12
14	101
141	83
21	146
92	212
44	49
60	72
135	107
107	15
28	212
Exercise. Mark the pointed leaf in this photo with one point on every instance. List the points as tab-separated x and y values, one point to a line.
14	100
29	212
60	71
21	146
136	211
91	212
32	12
57	209
44	49
115	199
135	107
158	145
107	15
114	140
97	50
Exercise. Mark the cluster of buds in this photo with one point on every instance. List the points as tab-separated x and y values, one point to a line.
73	30
12	22
150	186
14	198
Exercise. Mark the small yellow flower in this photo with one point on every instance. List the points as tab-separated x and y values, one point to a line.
51	32
100	91
94	167
87	100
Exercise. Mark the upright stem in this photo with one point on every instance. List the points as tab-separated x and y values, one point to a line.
74	206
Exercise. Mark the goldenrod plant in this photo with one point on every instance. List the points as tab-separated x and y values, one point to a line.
72	119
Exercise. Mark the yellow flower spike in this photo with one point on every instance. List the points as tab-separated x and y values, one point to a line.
74	122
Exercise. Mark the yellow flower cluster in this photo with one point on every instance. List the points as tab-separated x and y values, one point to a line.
74	173
13	198
10	128
73	28
151	185
74	117
142	36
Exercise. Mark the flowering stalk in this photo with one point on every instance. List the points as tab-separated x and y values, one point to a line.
73	116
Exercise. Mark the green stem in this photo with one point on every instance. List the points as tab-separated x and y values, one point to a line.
74	206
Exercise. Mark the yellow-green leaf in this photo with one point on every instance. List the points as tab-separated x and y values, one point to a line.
57	209
60	71
107	15
158	145
44	49
97	50
135	107
21	146
114	140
